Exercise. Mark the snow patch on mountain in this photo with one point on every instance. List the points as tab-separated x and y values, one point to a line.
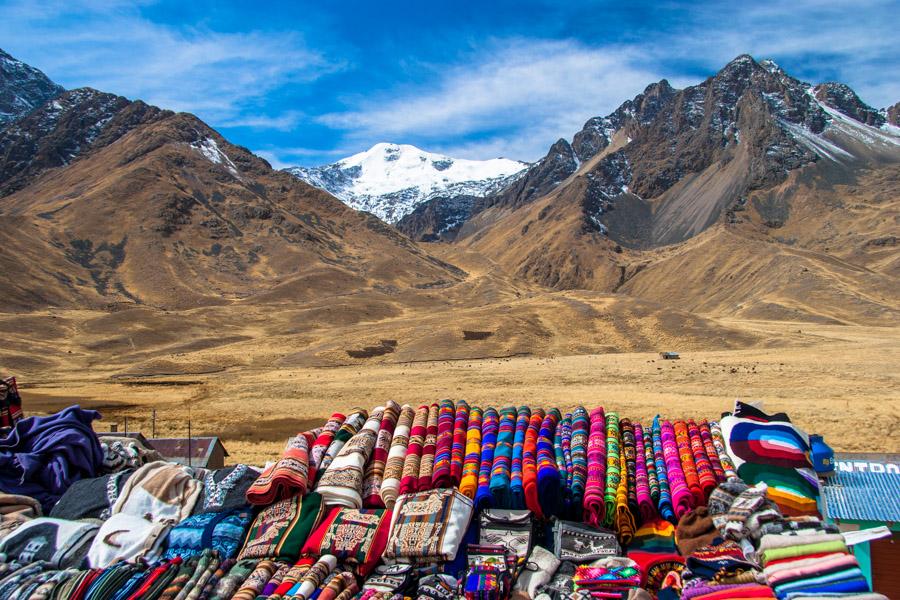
211	151
390	180
22	88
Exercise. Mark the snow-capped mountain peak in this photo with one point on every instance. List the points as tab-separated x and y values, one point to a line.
390	180
22	88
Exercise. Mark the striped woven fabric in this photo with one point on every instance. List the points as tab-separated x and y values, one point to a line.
426	465
664	505
347	430
441	476
580	430
489	427
393	469
613	469
705	473
529	462
682	498
458	452
375	468
629	453
287	477
411	464
548	474
594	511
624	517
516	482
688	464
502	465
322	442
650	464
566	426
559	457
646	507
711	452
469	483
724	459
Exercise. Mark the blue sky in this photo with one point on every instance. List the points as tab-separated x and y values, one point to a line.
309	82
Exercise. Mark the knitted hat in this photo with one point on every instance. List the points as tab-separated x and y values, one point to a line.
695	529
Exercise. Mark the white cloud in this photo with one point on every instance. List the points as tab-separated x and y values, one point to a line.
538	90
285	121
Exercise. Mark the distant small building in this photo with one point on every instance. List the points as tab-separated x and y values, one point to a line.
669	355
206	452
863	493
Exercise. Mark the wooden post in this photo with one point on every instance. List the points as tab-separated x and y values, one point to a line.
126	425
153	424
189	443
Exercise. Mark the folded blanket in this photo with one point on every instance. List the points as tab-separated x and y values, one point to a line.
357	538
594	510
127	537
501	467
374	474
780	574
442	475
789	540
548	477
429	526
322	442
580	431
458	453
280	530
469	483
347	430
159	491
410	480
530	463
393	469
516	482
429	446
613	468
64	543
664	504
489	427
342	482
287	476
800	550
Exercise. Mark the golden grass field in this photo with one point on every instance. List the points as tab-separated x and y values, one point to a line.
841	381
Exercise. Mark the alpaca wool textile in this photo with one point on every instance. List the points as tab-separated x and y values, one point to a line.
291	577
338	583
458	452
688	464
429	526
613	468
594	510
629	454
356	538
374	477
223	532
548	478
468	484
313	578
280	530
410	480
566	441
529	463
256	580
442	476
489	427
275	581
516	485
322	442
719	443
342	482
347	430
649	463
580	431
501	469
426	465
393	469
288	476
645	506
159	491
705	473
682	497
664	506
771	449
711	452
624	517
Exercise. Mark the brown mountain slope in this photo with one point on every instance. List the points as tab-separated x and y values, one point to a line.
171	214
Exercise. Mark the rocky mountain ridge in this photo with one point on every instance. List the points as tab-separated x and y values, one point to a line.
22	88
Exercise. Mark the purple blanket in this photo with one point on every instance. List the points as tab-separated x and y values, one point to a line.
42	456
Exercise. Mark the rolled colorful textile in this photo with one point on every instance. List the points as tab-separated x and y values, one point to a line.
257	580
286	477
274	582
290	579
650	464
441	475
549	488
502	465
516	484
342	483
413	461
613	469
426	465
595	486
339	582
393	468
529	463
347	430
724	458
566	425
489	428
629	453
468	485
374	477
664	506
711	452
458	453
580	430
646	507
559	454
705	475
682	497
688	464
624	517
313	578
320	446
